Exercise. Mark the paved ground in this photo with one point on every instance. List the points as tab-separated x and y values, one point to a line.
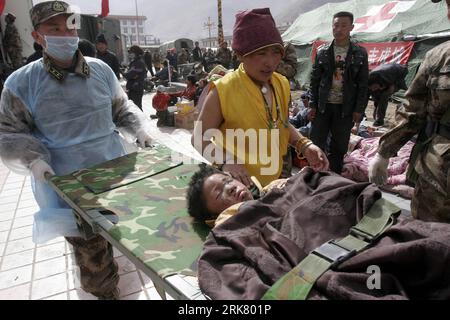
31	272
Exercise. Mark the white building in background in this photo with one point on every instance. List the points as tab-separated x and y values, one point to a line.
213	42
134	31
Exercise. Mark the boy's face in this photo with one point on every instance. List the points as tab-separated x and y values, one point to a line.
222	191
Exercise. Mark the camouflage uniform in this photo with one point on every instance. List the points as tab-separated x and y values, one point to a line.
183	57
23	140
13	45
288	65
156	58
224	57
98	269
429	99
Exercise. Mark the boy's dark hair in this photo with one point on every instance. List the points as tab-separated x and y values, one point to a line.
196	202
341	14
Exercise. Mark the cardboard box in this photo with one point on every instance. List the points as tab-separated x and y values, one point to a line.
185	120
185	106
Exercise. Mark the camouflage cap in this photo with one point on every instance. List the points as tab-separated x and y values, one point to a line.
43	11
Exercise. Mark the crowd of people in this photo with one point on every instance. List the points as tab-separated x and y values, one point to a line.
47	127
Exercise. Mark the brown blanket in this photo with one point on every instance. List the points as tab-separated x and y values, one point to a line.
245	255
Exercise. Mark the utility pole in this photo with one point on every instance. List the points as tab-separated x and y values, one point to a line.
137	23
209	25
220	37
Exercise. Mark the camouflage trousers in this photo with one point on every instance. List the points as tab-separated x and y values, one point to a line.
287	70
98	270
163	118
16	58
431	200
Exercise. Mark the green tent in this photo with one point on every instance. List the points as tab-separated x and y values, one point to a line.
420	21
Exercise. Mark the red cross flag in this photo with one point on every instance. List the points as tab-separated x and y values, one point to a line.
378	17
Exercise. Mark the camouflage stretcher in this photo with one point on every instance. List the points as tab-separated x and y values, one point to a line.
137	202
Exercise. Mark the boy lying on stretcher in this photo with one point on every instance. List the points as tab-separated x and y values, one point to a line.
214	196
262	240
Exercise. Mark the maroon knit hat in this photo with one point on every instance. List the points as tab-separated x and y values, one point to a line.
253	30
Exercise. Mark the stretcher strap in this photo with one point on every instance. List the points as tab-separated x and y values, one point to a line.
298	282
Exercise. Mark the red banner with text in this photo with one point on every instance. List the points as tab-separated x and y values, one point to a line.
379	52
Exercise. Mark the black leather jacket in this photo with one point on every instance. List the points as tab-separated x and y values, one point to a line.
356	76
136	74
111	60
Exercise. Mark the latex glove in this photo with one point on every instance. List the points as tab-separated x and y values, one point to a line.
378	170
144	139
39	168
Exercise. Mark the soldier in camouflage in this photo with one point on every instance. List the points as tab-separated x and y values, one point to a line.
224	55
48	127
288	65
12	41
427	113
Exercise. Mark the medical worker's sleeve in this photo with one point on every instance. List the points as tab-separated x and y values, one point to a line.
18	148
126	115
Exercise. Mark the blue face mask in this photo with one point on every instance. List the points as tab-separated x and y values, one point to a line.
61	48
